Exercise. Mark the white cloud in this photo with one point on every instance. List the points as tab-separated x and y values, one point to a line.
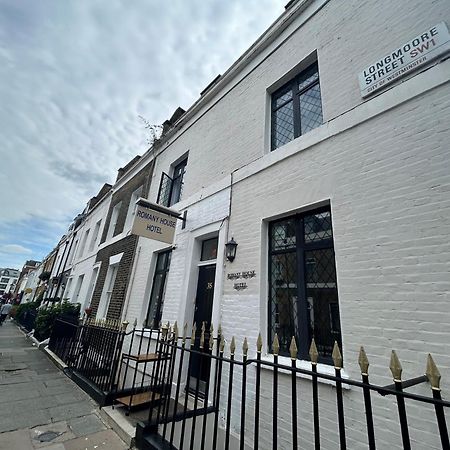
16	248
77	75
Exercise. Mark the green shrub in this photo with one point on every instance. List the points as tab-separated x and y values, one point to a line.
23	308
46	318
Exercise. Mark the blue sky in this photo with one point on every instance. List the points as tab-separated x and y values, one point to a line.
74	77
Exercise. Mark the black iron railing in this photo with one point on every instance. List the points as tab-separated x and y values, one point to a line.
230	408
63	339
91	351
28	320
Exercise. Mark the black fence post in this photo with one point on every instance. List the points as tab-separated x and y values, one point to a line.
364	365
221	347
243	393
293	351
230	394
434	378
257	391
396	370
314	356
337	359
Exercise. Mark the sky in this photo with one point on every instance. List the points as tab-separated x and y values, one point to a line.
75	76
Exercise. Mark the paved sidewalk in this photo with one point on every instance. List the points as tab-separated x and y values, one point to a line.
42	408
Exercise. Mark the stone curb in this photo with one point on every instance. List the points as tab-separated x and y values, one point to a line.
56	360
115	419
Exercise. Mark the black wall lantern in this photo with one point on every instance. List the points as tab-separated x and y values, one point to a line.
230	249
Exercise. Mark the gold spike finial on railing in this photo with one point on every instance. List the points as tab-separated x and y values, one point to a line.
259	343
135	323
219	330
395	366
125	324
293	350
337	356
185	332
211	337
193	334
222	344
233	346
363	361
276	345
433	374
175	330
313	353
202	336
245	347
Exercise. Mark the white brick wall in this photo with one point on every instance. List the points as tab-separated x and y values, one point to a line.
388	181
228	132
384	166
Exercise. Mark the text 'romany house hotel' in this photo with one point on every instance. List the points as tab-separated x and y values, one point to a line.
323	152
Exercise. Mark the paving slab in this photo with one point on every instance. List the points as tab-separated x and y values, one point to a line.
43	436
89	424
40	407
19	440
102	440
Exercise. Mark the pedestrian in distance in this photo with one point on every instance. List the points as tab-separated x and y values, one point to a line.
4	312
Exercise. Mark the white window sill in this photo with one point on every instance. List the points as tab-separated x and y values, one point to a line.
306	365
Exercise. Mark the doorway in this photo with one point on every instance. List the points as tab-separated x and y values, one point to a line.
200	366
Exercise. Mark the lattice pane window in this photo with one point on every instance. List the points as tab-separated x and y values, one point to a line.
296	107
310	109
283	125
284	298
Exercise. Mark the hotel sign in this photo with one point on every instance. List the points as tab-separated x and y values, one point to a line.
417	52
154	224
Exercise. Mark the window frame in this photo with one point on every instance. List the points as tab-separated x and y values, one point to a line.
132	206
158	296
303	337
292	86
167	196
83	243
113	220
95	235
107	291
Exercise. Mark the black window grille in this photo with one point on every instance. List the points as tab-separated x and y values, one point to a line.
303	299
296	107
171	188
155	307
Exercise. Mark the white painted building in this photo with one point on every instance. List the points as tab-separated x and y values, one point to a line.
339	204
8	280
83	268
31	282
